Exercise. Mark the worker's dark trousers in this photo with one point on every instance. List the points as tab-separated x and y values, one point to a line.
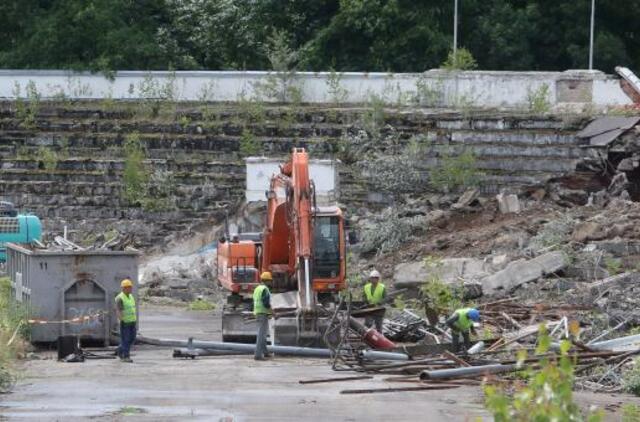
376	320
455	340
127	338
261	339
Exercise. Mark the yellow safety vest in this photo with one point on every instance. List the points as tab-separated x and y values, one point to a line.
258	306
128	307
375	297
463	323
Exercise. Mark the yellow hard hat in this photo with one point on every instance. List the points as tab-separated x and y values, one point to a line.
266	276
126	283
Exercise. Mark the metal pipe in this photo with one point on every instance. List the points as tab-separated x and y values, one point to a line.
375	355
455	29
591	30
620	344
238	347
469	371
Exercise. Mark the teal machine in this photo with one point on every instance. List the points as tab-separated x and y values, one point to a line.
17	228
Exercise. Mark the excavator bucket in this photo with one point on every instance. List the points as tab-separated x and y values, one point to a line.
302	332
238	326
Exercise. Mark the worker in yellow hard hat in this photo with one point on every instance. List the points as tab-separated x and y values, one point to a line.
128	317
262	310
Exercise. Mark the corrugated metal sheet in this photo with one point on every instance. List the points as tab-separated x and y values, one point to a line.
603	131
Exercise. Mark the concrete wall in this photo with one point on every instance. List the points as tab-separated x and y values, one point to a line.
435	88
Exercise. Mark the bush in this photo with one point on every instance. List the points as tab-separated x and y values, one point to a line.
443	298
548	394
631	379
12	334
390	231
539	99
455	172
461	60
135	175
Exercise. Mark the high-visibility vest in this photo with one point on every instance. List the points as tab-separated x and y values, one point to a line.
128	307
258	306
463	323
375	297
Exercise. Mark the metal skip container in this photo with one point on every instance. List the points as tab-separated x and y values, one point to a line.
70	292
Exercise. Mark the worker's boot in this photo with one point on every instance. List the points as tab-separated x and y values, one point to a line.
126	360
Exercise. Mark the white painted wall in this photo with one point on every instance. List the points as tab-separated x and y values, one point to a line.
443	88
324	174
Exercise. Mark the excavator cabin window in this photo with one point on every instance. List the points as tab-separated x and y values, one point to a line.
326	247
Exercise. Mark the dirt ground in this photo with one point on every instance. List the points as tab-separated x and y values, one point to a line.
159	388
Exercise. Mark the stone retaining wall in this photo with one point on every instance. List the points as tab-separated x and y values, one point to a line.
199	150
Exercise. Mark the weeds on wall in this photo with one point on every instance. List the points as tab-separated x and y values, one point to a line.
538	99
158	98
373	116
280	85
548	392
337	94
27	107
135	175
455	172
429	93
249	144
151	190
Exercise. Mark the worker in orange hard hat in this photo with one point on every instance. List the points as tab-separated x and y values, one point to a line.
128	317
262	310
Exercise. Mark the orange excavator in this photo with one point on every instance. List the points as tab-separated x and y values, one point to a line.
302	245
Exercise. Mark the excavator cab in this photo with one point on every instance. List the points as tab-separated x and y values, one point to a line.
328	265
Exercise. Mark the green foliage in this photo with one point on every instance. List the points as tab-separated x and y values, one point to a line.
455	172
27	108
462	59
538	99
337	93
390	231
48	157
136	174
631	379
442	297
249	144
548	394
373	116
630	413
12	316
348	35
158	98
280	85
429	94
613	265
201	305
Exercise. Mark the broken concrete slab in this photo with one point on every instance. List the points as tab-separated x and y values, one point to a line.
523	271
467	198
618	247
449	270
508	203
589	230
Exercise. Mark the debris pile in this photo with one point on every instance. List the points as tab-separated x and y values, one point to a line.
509	329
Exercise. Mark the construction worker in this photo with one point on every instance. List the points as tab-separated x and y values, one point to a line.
374	293
262	309
461	323
126	311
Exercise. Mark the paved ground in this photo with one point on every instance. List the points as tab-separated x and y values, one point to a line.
158	388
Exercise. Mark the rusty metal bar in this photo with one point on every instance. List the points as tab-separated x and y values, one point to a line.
320	381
